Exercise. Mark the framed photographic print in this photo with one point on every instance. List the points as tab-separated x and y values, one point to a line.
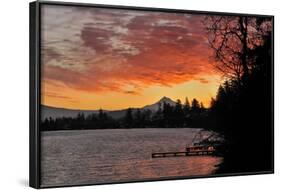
130	94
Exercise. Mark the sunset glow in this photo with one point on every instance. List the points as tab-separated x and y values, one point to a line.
112	59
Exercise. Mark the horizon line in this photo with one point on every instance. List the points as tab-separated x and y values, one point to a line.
77	109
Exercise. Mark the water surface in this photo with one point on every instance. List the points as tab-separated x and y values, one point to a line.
115	155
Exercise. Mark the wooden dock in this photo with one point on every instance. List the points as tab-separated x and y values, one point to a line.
178	154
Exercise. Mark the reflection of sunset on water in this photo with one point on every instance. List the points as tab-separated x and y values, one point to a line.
93	156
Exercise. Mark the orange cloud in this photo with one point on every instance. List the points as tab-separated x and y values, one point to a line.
109	50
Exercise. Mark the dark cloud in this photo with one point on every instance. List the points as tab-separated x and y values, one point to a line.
131	92
203	80
95	38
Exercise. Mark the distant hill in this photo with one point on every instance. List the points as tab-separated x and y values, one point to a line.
48	111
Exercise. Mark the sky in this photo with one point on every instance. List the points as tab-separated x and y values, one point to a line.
94	58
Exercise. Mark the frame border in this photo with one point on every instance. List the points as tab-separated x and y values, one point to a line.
34	95
35	89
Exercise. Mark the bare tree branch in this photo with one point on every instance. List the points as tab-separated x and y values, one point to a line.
231	39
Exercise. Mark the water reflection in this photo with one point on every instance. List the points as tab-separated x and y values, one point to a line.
99	156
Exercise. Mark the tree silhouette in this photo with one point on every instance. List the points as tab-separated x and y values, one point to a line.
242	49
232	38
195	106
186	106
167	115
129	117
178	115
178	108
102	115
202	107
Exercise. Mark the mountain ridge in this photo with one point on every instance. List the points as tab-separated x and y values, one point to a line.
56	112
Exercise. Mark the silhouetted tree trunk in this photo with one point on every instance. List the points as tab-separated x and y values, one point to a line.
232	38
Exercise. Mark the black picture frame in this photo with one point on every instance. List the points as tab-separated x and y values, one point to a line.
35	86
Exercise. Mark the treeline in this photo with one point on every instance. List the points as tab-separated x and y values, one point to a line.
241	110
180	115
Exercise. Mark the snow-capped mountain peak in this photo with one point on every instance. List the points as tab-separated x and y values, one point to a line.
155	106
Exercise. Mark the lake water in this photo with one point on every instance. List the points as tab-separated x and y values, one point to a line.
117	155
